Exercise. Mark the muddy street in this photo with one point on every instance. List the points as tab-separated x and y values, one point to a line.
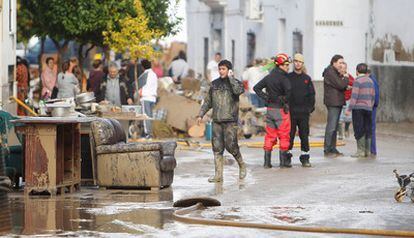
339	192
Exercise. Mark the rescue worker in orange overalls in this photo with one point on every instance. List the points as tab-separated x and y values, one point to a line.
277	94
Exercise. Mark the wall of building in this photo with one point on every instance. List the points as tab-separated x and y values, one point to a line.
396	92
389	29
340	28
198	20
7	52
234	28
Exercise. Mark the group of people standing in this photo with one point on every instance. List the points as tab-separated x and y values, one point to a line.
132	84
290	100
128	84
361	97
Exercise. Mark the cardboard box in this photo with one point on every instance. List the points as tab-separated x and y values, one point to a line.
179	110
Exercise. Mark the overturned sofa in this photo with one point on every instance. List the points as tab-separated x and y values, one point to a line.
130	165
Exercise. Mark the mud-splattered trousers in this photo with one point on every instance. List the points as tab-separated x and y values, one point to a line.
225	137
277	127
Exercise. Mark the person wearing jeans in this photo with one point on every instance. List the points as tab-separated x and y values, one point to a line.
335	85
361	104
374	114
147	88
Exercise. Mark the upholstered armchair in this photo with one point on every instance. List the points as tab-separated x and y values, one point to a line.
121	164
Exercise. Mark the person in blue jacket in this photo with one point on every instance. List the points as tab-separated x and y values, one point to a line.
374	113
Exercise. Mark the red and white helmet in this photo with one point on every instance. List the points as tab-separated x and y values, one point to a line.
282	58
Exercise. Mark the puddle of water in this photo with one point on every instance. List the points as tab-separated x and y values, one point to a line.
106	212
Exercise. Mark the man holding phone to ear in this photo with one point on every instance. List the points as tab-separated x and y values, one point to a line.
223	98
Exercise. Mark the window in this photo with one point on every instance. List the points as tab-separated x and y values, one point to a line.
281	32
297	42
251	47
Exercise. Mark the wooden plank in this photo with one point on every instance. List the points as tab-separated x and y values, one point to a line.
54	120
124	116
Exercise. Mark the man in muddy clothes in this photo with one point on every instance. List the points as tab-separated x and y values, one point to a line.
223	98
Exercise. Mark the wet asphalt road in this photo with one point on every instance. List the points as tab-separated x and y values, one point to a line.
337	192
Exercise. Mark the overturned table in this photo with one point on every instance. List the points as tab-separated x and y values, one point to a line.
52	153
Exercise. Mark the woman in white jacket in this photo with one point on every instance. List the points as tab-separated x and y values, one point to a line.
147	89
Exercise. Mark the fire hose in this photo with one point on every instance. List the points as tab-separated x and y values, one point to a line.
195	204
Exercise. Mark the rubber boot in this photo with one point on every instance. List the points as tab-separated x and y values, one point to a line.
242	166
267	159
360	148
304	159
285	159
367	147
341	129
219	163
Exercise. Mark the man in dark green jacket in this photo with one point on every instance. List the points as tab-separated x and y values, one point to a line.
223	98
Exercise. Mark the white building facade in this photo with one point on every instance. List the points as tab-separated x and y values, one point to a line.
7	53
360	30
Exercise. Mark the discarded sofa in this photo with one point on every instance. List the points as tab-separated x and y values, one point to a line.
121	164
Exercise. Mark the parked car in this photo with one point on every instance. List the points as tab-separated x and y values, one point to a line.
33	51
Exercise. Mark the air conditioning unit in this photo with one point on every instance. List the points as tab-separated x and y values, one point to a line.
254	10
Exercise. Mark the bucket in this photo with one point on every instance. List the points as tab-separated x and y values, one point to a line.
209	131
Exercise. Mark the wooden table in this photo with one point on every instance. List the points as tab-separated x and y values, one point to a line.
52	153
124	116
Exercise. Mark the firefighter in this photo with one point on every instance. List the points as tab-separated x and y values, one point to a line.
277	94
223	98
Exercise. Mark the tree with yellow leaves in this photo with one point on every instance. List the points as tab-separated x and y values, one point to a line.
133	35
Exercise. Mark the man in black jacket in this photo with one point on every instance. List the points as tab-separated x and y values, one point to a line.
223	98
277	94
114	89
301	104
334	85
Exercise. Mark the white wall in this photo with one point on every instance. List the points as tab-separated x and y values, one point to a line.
7	52
198	27
234	29
347	40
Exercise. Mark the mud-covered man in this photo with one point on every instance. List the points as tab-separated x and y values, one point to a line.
223	98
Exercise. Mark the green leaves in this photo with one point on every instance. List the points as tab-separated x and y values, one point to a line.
85	21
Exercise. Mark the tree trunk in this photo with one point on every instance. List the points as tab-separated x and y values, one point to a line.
60	49
82	78
42	49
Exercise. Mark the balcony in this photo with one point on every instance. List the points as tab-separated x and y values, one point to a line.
215	4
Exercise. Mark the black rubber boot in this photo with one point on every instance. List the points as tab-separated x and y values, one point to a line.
304	159
285	159
267	159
